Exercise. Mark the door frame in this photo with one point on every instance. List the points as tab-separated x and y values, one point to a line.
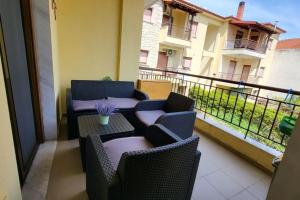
34	86
33	69
167	59
244	66
231	76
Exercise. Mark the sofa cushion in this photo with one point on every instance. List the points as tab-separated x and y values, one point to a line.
149	117
79	105
123	103
115	148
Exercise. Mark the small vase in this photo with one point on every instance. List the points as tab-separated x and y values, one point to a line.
103	119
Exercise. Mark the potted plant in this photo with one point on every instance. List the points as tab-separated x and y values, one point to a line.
104	109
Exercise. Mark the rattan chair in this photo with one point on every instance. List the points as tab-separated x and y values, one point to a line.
164	171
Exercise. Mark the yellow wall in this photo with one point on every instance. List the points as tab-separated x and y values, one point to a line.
9	180
131	33
96	39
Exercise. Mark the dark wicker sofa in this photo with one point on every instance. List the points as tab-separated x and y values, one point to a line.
159	166
84	94
176	113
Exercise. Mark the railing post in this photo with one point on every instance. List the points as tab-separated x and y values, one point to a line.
207	102
254	107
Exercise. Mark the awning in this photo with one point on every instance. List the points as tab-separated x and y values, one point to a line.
257	26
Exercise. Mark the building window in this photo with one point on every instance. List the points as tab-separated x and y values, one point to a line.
147	15
261	72
143	56
194	29
270	44
186	62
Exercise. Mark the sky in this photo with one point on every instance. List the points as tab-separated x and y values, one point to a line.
286	12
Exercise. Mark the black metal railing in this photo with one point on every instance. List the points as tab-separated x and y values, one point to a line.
246	44
254	110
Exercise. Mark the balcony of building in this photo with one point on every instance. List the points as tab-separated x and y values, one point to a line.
248	39
246	78
245	48
174	35
178	24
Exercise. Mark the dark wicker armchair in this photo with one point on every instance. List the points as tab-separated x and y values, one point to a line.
159	165
176	113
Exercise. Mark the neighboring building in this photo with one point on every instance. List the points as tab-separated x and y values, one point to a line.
181	36
285	71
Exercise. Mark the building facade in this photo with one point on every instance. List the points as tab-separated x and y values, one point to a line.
181	36
285	65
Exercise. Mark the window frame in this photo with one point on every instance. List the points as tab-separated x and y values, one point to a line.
270	43
151	13
147	54
194	23
261	71
184	58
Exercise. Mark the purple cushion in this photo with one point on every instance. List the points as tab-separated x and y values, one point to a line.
115	148
149	117
123	103
79	105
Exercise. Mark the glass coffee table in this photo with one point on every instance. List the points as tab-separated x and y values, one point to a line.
117	127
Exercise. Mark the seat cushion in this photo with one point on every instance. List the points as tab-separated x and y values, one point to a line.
123	103
79	105
115	148
149	117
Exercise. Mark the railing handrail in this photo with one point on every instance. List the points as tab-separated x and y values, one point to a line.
245	43
176	26
250	75
264	87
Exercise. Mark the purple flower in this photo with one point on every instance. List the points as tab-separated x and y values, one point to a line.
105	108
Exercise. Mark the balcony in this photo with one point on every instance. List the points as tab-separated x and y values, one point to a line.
238	77
172	35
250	115
245	48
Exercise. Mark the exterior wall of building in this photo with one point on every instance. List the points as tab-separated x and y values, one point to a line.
206	49
151	34
9	184
267	62
285	71
240	62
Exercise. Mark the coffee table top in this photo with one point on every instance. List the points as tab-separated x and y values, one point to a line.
89	124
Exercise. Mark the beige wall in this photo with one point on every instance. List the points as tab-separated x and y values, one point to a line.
131	33
9	179
286	181
285	71
97	39
55	57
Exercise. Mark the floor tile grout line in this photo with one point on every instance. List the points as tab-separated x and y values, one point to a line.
237	181
215	188
241	192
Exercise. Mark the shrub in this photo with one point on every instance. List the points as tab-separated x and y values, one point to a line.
239	112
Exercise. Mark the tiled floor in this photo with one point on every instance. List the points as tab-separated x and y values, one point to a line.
223	175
